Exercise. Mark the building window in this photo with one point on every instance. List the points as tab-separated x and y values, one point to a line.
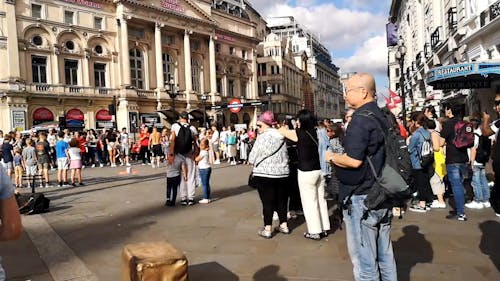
100	75
231	50
136	68
217	48
36	11
195	74
452	18
98	23
37	40
39	69
261	69
168	67
244	54
219	86
71	72
69	17
230	85
244	89
397	72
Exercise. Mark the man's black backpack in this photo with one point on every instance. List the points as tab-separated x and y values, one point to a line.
483	149
393	186
184	139
33	203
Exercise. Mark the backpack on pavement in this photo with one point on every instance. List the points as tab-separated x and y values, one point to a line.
393	186
464	134
184	139
483	149
426	153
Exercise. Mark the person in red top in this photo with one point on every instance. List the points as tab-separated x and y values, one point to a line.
144	141
82	145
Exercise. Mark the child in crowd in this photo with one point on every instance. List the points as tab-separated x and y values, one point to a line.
203	160
174	172
18	168
75	163
29	161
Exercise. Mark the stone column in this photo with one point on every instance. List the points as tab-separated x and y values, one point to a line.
14	71
254	88
85	69
159	66
55	66
187	66
125	52
212	71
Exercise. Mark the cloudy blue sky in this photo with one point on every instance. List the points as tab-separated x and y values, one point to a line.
353	30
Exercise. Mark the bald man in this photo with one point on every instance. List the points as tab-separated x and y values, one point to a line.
368	235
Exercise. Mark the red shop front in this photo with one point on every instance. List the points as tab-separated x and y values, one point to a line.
104	120
42	115
75	119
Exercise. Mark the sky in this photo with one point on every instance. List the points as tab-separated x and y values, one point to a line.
352	30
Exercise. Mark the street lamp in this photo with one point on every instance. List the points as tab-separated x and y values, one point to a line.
400	55
172	92
204	100
269	92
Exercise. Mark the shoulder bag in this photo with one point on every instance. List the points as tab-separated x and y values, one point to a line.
251	179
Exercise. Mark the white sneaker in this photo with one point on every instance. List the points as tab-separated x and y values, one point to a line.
102	165
436	205
128	165
217	162
491	184
474	205
93	165
204	201
498	215
487	204
153	166
275	217
41	186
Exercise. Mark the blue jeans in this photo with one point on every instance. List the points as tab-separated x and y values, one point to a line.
456	173
205	182
369	242
480	184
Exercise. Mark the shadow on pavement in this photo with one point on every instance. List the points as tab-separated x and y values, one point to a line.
411	249
210	271
269	273
490	244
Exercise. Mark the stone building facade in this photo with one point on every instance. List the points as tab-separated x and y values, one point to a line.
69	58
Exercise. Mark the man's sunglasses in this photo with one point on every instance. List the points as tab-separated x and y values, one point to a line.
497	102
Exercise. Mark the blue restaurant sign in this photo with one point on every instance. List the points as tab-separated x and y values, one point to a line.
462	76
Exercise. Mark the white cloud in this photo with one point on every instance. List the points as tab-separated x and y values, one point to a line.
371	57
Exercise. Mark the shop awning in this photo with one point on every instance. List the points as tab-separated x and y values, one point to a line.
43	114
463	76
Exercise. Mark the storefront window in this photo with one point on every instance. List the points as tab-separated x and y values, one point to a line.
168	67
195	74
136	68
71	72
39	69
244	89
100	75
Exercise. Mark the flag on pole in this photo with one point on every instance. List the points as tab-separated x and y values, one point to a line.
395	97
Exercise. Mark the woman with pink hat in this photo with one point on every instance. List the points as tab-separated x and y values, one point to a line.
270	169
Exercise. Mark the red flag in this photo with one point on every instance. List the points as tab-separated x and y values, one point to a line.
395	97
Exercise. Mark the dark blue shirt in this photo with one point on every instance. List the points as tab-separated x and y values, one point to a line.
7	152
363	138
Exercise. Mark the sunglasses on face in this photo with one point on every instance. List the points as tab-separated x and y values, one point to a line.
497	102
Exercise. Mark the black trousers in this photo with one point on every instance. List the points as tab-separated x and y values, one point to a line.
172	186
423	185
495	192
273	194
144	152
295	204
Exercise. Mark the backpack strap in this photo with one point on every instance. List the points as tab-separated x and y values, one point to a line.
276	151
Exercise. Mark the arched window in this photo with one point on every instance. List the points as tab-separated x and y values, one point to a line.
246	118
234	118
136	68
195	74
168	67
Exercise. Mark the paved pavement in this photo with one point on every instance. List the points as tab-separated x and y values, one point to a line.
83	235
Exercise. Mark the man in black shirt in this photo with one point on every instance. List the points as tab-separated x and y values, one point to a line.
489	129
456	161
368	234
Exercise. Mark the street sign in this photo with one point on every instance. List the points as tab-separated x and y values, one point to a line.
235	105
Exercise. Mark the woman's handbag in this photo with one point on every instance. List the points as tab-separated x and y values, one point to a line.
251	179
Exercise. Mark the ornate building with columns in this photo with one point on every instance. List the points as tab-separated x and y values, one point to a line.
69	58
